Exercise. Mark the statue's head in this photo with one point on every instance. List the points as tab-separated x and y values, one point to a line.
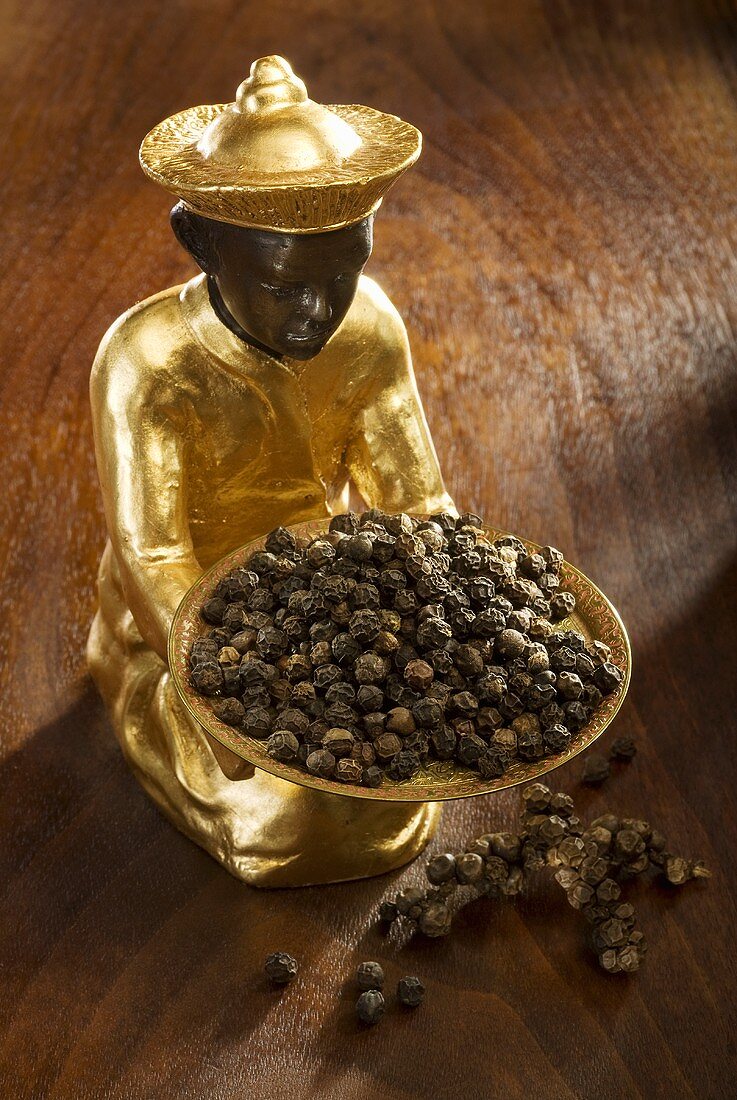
278	197
286	292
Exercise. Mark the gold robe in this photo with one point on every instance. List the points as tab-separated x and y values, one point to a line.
204	443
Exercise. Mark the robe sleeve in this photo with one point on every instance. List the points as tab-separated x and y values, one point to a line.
139	446
390	456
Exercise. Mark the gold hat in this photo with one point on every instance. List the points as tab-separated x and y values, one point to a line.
276	160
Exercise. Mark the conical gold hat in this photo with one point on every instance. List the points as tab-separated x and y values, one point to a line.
274	159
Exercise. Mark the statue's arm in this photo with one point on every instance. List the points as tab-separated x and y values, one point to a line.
139	448
391	456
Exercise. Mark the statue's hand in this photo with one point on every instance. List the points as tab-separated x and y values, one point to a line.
166	586
232	766
154	590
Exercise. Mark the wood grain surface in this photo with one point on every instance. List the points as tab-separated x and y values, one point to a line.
564	256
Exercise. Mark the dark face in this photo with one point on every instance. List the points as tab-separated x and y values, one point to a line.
287	292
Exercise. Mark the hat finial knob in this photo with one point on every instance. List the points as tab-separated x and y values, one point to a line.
271	84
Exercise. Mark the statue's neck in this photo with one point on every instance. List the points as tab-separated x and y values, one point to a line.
226	317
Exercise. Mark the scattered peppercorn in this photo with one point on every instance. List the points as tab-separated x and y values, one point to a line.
281	968
623	748
388	642
369	975
595	769
410	991
678	871
388	911
370	1007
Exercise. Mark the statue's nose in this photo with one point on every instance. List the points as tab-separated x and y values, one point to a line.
317	307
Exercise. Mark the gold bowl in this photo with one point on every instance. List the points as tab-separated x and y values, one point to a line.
438	780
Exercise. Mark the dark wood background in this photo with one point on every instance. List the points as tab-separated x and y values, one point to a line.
564	256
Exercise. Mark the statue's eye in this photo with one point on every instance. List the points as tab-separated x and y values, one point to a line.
278	291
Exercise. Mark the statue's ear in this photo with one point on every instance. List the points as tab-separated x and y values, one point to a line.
193	233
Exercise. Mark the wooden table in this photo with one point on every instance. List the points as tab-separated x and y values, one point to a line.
564	255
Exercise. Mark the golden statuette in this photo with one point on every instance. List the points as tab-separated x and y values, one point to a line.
245	399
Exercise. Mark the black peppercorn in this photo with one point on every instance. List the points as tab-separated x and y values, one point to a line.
418	674
433	632
569	685
470	748
341	692
434	919
607	677
530	744
204	648
445	521
281	968
595	770
441	868
321	762
345	649
400	720
388	911
349	770
469	868
491	764
294	720
556	738
576	715
623	748
444	742
387	746
410	992
504	740
509	644
370	975
364	626
207	677
213	610
282	745
427	713
404	765
346	523
369	698
230	711
338	741
370	1007
364	753
562	604
271	642
369	668
258	722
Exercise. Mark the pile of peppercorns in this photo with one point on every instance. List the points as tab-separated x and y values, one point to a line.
590	863
389	641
